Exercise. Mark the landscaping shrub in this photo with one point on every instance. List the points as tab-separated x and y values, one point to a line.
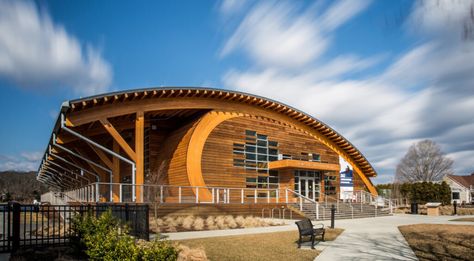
240	221
188	222
220	222
106	238
192	223
191	254
210	223
198	224
423	192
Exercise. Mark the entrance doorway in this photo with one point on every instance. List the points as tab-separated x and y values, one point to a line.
309	187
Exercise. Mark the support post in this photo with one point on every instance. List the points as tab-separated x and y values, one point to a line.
179	195
242	196
333	212
97	199
117	192
197	195
120	192
161	194
139	152
16	208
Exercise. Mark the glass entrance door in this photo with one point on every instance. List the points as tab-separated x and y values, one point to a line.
309	188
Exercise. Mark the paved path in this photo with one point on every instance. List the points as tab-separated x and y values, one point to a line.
377	238
363	239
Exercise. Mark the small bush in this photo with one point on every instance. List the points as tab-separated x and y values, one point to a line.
188	222
240	221
158	250
230	222
220	222
210	221
106	238
191	254
198	224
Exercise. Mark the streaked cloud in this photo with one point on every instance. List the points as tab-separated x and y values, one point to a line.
36	53
277	34
425	93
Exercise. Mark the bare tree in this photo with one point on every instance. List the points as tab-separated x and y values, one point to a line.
424	161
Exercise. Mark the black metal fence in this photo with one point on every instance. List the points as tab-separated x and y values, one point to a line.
50	225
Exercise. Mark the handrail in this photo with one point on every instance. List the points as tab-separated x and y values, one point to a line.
301	197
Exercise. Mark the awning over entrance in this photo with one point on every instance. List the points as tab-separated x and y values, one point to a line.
300	164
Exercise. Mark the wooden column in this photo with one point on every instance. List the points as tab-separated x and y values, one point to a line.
116	172
139	152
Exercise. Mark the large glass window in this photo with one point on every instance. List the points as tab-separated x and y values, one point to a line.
255	154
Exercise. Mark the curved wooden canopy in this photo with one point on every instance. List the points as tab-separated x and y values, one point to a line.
86	110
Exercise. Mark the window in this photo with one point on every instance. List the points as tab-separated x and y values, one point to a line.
316	157
255	154
250	133
456	196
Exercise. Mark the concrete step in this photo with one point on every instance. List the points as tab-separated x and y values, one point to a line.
344	211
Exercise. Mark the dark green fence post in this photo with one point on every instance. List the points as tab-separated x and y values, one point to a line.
16	208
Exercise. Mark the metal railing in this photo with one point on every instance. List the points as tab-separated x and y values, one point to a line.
303	199
30	225
163	194
122	192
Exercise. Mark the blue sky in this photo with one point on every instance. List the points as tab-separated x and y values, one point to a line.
385	74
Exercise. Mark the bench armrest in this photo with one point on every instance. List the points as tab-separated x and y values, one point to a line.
319	225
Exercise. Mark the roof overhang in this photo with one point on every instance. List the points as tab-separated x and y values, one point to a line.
300	164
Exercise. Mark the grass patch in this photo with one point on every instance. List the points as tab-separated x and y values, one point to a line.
440	242
463	219
266	246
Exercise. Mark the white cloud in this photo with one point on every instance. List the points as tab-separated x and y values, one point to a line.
36	53
26	161
272	35
342	11
426	93
228	7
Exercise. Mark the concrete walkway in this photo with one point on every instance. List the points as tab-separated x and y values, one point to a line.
377	238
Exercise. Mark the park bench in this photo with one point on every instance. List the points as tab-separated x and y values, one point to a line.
307	229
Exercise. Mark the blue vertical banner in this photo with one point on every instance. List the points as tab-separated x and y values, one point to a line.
346	178
346	185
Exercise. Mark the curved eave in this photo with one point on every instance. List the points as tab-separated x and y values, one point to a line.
265	103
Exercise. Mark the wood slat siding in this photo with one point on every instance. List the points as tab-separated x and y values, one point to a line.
168	157
217	160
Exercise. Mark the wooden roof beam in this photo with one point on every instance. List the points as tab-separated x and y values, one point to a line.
118	138
163	93
105	159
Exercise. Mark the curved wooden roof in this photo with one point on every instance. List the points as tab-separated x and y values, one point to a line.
83	105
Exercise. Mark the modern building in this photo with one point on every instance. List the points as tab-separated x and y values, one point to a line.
197	145
462	188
